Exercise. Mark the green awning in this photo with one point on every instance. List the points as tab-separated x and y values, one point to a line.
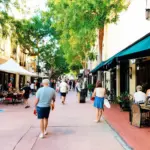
140	48
98	67
105	65
111	62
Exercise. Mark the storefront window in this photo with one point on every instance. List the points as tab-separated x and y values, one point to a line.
143	75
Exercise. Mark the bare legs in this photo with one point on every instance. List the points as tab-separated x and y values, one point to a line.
43	126
98	114
63	99
26	103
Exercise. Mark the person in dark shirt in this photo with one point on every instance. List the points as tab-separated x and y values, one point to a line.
26	94
38	85
52	84
70	84
74	85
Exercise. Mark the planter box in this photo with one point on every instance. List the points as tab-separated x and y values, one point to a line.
125	106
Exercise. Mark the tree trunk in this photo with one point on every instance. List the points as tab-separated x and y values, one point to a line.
101	38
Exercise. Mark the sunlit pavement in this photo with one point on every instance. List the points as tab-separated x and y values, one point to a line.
71	127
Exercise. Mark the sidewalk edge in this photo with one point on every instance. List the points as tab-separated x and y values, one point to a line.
119	138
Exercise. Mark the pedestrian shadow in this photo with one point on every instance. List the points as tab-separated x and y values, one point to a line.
60	132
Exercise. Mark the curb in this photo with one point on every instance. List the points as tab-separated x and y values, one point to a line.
120	139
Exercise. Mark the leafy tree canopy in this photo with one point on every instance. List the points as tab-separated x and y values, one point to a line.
77	21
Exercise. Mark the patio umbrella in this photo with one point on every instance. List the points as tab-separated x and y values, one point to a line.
13	67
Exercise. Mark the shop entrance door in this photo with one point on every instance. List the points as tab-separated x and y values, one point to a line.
113	84
143	75
124	77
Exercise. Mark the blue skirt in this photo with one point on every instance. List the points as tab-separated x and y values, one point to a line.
99	102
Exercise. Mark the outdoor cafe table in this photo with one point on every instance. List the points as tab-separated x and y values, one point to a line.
145	107
15	97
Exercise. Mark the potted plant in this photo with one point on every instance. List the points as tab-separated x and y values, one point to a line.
124	101
90	89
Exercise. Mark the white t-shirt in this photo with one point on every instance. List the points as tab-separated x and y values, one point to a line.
32	86
139	97
63	87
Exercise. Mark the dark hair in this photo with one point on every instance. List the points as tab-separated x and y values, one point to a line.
98	84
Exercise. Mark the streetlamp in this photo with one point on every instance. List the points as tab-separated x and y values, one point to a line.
147	9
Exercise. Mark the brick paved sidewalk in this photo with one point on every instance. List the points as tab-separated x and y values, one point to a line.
71	127
137	138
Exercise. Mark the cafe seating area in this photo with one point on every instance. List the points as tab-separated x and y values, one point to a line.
13	97
119	121
140	115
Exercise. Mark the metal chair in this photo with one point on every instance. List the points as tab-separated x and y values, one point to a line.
1	97
9	98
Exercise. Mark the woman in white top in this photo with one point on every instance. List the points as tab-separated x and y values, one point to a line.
99	94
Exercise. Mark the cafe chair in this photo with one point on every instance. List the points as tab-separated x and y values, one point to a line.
9	98
139	117
1	97
19	98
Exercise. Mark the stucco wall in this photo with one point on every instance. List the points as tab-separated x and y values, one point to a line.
131	26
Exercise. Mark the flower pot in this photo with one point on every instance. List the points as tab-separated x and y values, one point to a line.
125	106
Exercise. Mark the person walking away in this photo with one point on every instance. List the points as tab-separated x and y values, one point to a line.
63	90
45	96
26	93
51	83
38	85
99	94
74	85
57	86
70	84
78	89
54	84
77	86
32	87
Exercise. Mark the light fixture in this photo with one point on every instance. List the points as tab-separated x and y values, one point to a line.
117	67
147	12
133	61
138	67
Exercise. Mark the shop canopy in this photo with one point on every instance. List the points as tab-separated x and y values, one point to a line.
12	67
105	65
98	67
140	48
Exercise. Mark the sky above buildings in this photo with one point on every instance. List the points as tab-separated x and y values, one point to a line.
31	7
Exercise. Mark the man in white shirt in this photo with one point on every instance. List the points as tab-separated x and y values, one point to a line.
139	96
63	90
32	87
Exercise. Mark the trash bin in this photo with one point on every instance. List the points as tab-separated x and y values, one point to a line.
83	95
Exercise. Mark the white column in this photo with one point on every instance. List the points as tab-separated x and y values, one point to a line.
118	80
98	75
17	81
92	79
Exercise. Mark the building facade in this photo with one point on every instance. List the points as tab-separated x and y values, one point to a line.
7	51
132	25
